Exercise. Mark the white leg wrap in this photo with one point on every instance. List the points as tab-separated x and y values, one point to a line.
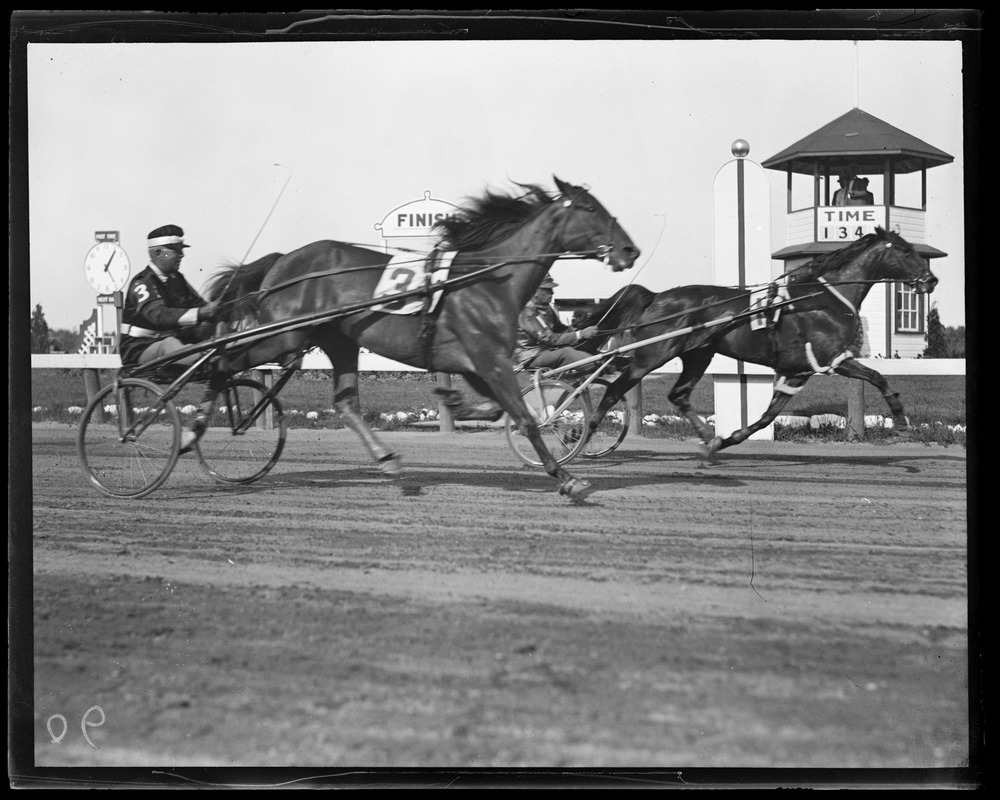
842	357
781	385
817	369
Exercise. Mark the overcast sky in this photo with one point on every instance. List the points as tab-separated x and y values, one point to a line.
132	136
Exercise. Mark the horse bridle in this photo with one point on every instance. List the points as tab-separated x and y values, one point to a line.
602	251
926	275
924	278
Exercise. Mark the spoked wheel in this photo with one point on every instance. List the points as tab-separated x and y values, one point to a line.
129	440
562	421
245	436
613	428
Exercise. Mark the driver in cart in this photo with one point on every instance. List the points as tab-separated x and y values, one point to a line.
543	341
162	313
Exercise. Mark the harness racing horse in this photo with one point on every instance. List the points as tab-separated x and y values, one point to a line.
502	247
815	331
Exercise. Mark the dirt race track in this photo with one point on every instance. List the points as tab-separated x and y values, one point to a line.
792	605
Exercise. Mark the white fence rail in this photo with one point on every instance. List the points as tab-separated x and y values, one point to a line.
720	366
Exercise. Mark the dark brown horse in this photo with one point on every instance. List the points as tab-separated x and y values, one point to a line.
815	331
505	245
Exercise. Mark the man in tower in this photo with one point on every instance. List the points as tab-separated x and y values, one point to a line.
853	190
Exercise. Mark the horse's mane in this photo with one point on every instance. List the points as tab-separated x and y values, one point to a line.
239	282
481	221
621	310
831	262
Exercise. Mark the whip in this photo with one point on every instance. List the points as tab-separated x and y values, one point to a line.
255	238
635	273
269	213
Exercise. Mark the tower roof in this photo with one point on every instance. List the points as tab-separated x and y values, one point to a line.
857	138
815	249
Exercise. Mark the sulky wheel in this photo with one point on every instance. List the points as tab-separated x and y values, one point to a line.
613	428
562	415
129	438
246	435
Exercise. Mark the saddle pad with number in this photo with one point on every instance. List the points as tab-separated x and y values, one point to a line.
406	273
760	303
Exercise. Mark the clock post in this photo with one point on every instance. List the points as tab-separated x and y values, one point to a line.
106	269
117	300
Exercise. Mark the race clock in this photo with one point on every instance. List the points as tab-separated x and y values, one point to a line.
106	267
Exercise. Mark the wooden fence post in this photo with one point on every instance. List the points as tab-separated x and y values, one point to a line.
634	400
446	424
266	377
92	385
92	382
856	412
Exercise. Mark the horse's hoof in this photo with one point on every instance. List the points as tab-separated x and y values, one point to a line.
576	490
391	465
493	414
484	412
711	447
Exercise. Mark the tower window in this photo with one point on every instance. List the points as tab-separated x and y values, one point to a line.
909	310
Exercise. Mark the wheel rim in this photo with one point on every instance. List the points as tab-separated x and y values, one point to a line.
140	463
250	452
613	428
562	433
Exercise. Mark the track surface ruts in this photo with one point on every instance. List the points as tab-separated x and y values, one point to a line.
789	606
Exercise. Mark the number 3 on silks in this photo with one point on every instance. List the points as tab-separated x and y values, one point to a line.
84	724
393	282
403	279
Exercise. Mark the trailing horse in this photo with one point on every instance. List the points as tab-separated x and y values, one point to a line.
815	331
499	248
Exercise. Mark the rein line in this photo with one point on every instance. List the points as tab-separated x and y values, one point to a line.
825	286
743	314
458	280
739	316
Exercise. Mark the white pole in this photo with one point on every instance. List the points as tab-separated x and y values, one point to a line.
743	259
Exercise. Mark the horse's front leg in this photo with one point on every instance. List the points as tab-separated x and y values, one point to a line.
784	389
348	405
501	384
851	368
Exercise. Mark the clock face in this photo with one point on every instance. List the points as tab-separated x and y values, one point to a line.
106	267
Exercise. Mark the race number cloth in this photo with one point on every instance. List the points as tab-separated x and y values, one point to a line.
405	273
760	302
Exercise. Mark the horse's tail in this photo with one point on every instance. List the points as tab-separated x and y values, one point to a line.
236	287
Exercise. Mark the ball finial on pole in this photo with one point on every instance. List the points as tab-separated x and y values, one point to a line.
741	148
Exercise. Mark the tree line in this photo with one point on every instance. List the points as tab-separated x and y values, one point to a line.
943	342
46	340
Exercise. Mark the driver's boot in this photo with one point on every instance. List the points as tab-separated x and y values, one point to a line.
197	427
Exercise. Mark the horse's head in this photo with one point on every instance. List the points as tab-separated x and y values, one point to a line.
588	229
900	261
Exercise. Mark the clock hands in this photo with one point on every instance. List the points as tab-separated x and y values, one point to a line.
115	270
